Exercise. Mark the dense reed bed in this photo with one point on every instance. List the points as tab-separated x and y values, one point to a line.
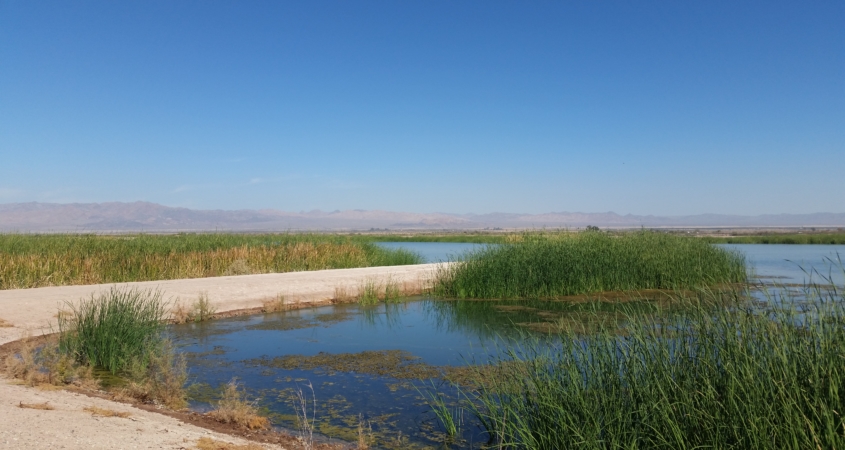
28	261
702	377
553	265
788	238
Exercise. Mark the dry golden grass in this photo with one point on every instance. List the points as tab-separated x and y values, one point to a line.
42	406
160	381
102	412
180	313
233	408
5	324
343	294
365	434
72	260
275	305
47	367
210	444
200	310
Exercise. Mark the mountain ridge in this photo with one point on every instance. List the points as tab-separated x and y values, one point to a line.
148	216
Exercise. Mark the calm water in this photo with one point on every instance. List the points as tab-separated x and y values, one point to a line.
433	335
783	263
433	252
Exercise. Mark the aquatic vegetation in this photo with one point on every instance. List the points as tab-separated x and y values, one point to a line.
724	377
393	363
35	260
537	265
450	418
833	238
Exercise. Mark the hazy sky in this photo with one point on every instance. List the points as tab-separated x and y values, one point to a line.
657	107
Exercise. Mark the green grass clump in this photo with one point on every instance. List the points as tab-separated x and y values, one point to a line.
114	330
554	265
28	261
723	378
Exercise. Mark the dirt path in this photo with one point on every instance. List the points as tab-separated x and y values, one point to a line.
68	426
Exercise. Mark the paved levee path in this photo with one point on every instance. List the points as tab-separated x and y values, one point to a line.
36	309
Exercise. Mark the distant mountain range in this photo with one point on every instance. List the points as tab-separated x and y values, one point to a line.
145	216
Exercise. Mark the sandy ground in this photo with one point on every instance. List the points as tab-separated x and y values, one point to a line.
68	426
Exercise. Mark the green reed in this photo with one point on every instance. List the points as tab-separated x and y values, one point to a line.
712	375
553	265
114	330
832	238
28	261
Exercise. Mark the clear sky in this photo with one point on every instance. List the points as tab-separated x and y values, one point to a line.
657	107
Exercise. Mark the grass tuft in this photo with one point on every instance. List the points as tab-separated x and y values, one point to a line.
234	408
113	330
202	309
160	380
274	305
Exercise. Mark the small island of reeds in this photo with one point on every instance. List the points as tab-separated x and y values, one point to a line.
548	265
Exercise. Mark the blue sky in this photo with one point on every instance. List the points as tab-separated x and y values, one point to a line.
659	107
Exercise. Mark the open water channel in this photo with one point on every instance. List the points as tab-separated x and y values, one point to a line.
376	364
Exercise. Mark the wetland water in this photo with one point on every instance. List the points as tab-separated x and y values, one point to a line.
373	361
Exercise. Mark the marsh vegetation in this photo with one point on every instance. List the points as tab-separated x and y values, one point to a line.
546	340
539	265
729	376
28	261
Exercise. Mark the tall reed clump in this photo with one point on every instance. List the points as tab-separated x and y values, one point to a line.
701	378
114	329
28	261
121	331
553	265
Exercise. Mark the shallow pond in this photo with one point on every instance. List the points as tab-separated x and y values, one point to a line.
433	252
376	363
